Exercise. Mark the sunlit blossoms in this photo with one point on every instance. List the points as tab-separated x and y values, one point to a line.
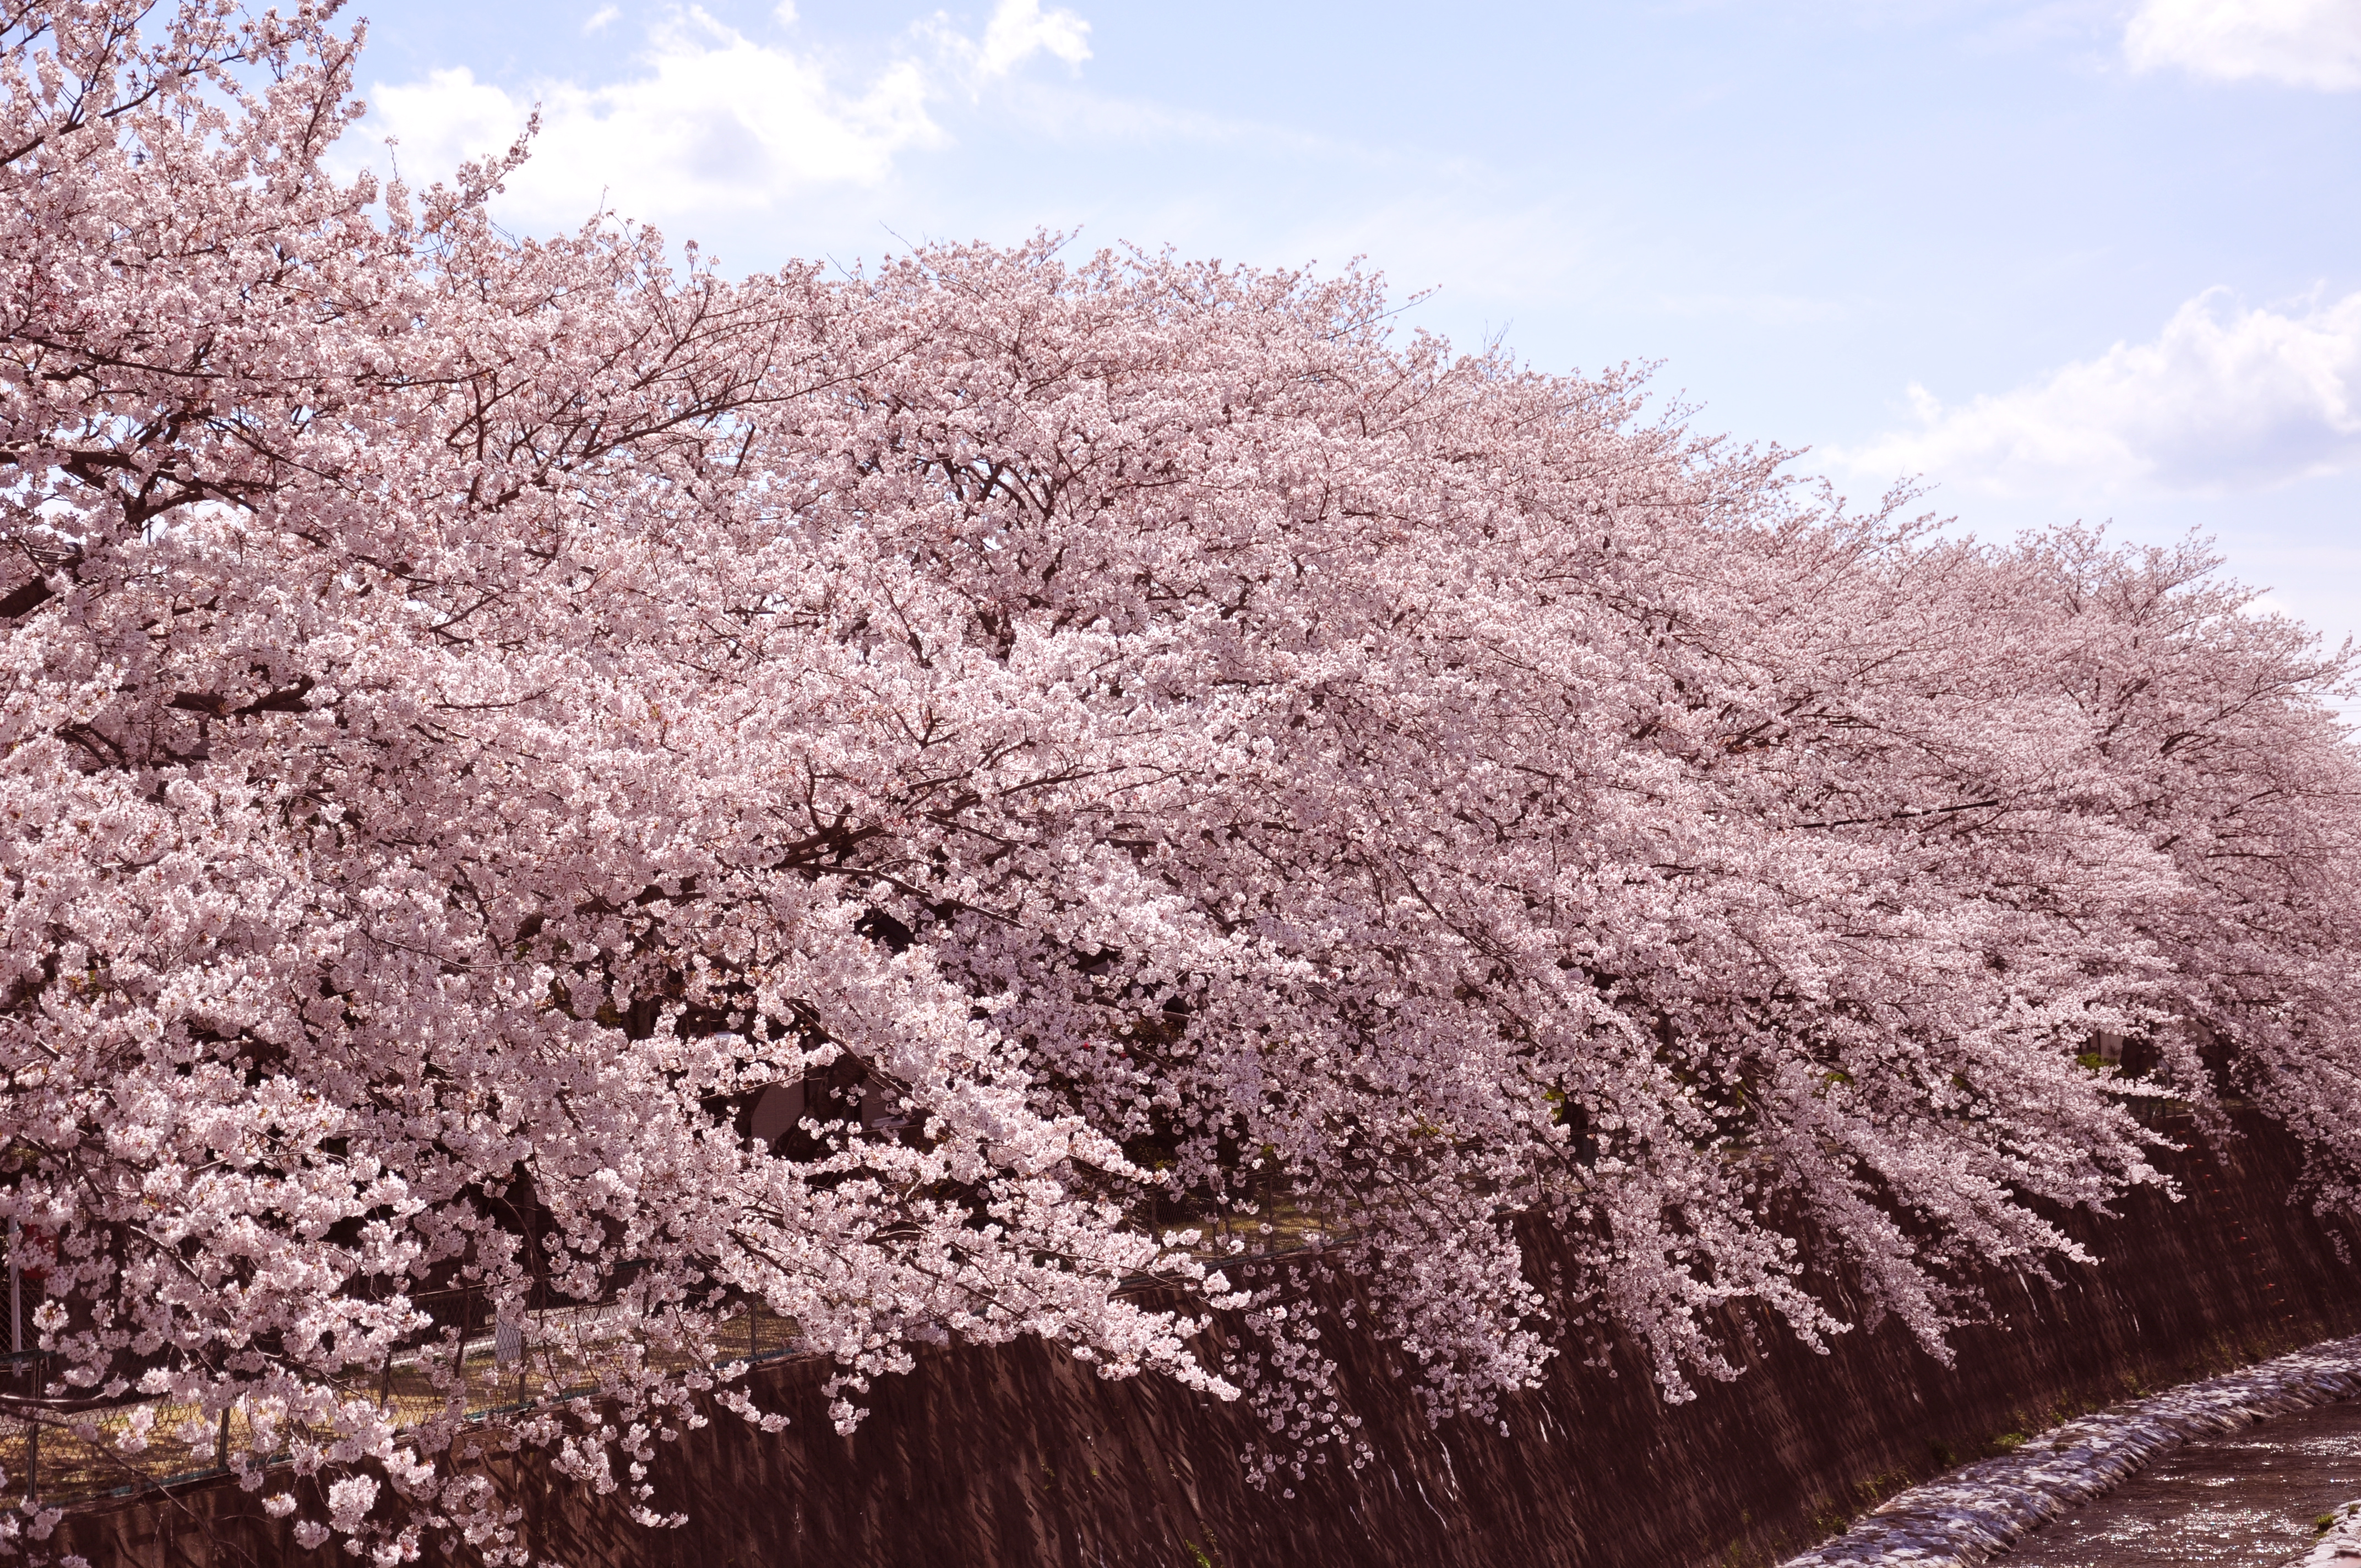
915	800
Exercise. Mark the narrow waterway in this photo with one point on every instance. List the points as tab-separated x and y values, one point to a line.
2247	1499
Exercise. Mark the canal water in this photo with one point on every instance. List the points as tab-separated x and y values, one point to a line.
2248	1500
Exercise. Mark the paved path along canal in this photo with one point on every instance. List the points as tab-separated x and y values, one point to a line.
2247	1500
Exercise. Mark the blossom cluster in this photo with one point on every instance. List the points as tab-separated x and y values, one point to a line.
915	800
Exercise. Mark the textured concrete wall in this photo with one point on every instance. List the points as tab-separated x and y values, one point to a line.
1016	1456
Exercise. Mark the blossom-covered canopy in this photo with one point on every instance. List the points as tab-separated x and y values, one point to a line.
1129	745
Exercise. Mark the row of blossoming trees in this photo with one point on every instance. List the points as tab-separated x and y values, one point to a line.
477	713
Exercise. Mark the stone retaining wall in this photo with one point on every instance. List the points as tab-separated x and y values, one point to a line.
1017	1456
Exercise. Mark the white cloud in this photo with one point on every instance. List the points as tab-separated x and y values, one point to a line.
714	122
1019	28
2305	43
2222	401
599	19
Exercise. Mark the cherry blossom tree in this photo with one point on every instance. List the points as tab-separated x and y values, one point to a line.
1124	750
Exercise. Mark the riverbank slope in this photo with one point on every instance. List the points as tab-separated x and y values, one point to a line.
1017	1456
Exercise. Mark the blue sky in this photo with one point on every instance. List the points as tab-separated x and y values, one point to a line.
2071	259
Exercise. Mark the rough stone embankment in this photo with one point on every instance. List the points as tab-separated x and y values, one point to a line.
1980	1509
1017	1456
2340	1543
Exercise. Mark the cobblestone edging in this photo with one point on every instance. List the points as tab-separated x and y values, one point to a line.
1968	1515
2341	1544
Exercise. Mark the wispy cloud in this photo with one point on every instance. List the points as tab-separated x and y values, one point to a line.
2225	399
2304	43
1020	28
713	122
599	19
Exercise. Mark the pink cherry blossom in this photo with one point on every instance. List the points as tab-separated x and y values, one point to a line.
1123	743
